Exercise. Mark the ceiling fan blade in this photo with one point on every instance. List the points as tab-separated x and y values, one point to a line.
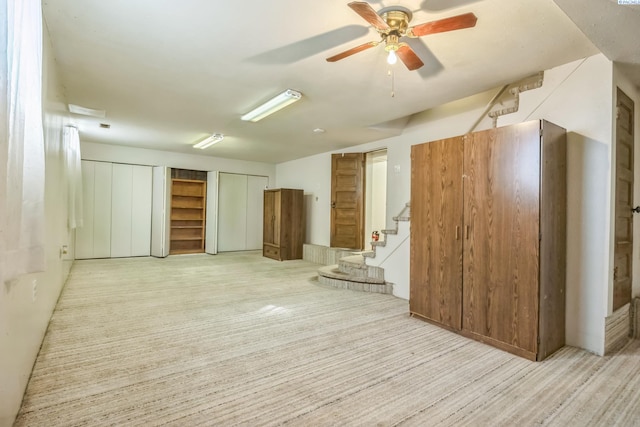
459	22
352	51
363	9
409	57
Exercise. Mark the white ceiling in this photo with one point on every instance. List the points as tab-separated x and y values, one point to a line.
168	73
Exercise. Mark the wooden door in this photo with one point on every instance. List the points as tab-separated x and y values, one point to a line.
436	240
347	200
501	246
623	251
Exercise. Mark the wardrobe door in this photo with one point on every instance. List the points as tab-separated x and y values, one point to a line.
102	211
436	231
269	218
501	246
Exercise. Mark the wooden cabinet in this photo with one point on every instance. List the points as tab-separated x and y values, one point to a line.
488	239
188	198
283	230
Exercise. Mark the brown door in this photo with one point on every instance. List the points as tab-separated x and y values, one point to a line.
347	200
623	250
436	231
501	246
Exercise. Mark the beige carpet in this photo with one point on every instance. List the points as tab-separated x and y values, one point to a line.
237	339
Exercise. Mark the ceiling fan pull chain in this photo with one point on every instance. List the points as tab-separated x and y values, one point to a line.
393	83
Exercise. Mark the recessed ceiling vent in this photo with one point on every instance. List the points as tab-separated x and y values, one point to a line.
105	126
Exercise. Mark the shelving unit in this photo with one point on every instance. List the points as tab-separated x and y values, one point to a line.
188	202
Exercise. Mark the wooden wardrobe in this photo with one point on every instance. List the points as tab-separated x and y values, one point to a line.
488	239
283	231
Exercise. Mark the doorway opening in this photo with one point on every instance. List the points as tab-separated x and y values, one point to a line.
375	194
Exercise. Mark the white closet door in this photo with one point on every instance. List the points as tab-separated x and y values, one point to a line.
141	211
102	210
84	234
93	239
160	224
121	205
232	212
255	207
211	223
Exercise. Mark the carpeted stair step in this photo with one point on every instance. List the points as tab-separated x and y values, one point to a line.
331	275
355	266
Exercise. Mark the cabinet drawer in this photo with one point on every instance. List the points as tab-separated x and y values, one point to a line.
271	252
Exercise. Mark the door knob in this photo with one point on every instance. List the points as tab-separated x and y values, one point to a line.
333	205
636	209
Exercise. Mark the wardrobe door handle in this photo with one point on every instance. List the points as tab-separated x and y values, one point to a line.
457	232
468	232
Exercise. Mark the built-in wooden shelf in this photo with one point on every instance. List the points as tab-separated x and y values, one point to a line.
188	204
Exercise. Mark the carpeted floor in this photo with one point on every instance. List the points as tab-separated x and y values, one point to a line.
238	339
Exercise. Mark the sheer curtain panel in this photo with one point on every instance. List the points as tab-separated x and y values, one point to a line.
73	166
22	173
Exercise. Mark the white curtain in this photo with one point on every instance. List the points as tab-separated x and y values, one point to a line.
73	166
22	168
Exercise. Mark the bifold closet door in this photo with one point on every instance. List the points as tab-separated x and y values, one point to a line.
160	209
211	223
131	211
240	207
232	212
93	239
501	252
436	231
255	205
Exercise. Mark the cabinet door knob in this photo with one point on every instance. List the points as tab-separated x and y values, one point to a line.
636	209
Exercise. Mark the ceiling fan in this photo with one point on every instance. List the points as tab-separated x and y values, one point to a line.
392	23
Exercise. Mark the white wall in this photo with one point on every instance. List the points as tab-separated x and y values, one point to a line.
633	92
26	304
143	156
576	96
313	173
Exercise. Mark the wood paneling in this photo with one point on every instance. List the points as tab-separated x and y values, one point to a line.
436	241
511	195
623	238
283	227
347	200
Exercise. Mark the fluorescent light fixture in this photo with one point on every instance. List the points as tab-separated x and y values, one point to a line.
209	141
77	109
287	97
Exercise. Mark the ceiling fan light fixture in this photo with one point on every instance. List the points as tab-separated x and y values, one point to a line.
392	58
276	103
209	141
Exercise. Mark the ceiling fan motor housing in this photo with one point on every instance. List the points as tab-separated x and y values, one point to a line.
397	18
